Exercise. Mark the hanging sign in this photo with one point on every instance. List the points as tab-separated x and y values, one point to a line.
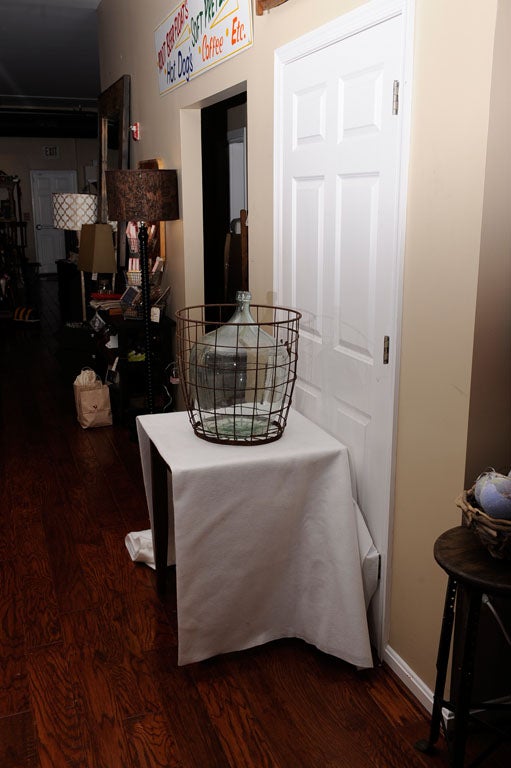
199	34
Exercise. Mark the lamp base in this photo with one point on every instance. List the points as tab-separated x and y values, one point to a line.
84	304
146	305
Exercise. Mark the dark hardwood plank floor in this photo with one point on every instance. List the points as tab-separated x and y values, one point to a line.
88	672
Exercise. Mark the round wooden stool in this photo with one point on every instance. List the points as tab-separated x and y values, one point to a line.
470	568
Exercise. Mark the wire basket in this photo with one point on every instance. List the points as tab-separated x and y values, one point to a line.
237	378
134	278
133	313
494	533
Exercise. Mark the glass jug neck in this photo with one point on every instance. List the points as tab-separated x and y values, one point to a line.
242	313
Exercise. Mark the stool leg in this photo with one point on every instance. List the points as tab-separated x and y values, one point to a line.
465	680
444	647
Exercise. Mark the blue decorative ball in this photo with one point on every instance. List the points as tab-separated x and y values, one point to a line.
495	496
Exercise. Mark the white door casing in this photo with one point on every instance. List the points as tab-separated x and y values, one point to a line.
49	242
339	212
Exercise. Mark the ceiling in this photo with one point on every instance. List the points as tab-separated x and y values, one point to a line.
49	68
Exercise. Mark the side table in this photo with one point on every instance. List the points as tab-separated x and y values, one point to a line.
266	540
474	571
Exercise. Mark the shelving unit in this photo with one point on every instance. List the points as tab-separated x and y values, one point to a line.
13	243
131	391
13	230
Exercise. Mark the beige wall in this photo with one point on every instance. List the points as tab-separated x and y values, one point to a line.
453	62
170	124
489	434
20	156
453	67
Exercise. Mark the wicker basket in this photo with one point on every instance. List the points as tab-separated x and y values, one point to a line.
493	532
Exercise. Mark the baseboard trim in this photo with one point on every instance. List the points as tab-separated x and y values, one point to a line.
407	676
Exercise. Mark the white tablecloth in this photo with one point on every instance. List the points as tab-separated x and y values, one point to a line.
266	539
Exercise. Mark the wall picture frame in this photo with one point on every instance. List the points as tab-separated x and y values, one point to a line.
267	5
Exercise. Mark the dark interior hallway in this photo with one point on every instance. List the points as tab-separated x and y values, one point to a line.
88	673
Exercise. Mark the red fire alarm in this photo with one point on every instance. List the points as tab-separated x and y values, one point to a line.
135	131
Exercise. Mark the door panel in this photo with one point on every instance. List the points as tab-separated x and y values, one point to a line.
339	190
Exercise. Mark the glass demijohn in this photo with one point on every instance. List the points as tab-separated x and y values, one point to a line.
240	376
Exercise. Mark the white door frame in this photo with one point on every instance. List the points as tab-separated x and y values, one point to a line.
354	22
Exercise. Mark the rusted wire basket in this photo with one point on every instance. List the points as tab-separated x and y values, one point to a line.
237	378
494	533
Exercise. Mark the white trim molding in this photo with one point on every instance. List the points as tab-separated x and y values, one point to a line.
346	25
407	676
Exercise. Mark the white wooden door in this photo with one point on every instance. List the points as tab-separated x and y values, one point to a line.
49	242
337	190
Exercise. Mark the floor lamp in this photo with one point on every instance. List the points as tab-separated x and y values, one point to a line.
145	196
71	211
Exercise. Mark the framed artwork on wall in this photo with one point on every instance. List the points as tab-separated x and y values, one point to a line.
266	5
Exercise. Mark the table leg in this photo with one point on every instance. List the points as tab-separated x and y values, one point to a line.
161	511
463	693
444	647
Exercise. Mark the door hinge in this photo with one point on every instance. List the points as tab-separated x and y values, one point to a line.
379	567
395	97
386	346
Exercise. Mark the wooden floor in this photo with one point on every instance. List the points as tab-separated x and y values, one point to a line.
88	673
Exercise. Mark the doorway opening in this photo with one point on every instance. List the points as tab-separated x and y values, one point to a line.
224	199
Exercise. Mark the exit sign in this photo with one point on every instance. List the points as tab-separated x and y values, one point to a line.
51	153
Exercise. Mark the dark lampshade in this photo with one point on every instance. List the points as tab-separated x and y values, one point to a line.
142	195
